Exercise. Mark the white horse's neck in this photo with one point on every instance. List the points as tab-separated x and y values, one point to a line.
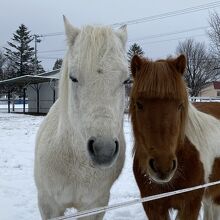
200	125
203	131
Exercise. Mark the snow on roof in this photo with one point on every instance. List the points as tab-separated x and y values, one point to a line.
51	73
28	79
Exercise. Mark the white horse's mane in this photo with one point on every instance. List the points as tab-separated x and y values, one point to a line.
92	46
94	43
203	131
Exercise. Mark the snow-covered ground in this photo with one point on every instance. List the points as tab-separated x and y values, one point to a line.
17	189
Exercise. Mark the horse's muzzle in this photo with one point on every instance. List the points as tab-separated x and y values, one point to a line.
103	151
162	171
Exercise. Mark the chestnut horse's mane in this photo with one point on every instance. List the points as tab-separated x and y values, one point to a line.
159	79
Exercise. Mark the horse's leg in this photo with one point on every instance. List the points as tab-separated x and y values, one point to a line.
157	212
207	208
190	211
100	202
216	211
49	208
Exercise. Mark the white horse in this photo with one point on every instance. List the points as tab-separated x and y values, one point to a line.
80	145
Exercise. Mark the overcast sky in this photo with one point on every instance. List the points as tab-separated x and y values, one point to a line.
45	16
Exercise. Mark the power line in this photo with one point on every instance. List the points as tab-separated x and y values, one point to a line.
49	51
49	58
173	39
169	33
170	14
52	34
149	37
150	42
156	17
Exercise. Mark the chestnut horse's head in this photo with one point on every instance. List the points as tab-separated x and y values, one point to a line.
158	112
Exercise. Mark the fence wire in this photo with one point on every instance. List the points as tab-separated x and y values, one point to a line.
95	211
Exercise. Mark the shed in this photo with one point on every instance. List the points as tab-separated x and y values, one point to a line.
41	90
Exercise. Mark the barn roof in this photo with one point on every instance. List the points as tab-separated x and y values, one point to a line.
55	73
28	79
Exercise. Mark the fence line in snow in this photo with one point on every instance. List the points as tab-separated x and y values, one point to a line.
95	211
204	99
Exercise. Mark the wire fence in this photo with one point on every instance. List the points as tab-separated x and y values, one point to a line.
17	105
95	211
204	99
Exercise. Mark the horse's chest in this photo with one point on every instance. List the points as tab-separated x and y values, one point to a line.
81	186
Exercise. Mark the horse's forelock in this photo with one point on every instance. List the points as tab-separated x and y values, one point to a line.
95	44
159	80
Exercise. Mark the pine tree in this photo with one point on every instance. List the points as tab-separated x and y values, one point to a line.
20	53
2	62
39	69
57	64
134	49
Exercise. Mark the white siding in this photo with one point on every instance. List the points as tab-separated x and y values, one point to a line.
45	97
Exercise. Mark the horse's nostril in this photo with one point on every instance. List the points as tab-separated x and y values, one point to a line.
174	165
116	146
152	165
90	145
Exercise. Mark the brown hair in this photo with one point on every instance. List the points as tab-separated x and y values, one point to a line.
159	79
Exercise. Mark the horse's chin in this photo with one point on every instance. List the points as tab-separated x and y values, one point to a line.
98	165
158	180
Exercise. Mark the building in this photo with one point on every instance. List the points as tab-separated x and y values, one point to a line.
211	90
41	96
39	91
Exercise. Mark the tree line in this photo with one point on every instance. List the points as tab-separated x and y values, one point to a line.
203	62
19	57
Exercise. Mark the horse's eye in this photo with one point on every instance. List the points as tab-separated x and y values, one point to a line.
180	107
139	106
74	79
127	81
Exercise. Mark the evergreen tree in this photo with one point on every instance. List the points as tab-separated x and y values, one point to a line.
20	53
57	64
134	49
2	62
40	68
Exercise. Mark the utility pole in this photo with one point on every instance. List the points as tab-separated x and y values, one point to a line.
36	40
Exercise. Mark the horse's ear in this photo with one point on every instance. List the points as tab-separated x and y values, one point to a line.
135	65
71	32
122	34
180	63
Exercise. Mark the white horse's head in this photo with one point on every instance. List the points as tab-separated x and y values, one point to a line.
92	88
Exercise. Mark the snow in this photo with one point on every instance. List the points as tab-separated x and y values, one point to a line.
18	196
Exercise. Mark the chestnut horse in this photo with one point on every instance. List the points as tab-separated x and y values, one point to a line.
176	145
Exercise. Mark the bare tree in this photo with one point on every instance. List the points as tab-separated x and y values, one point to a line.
201	65
214	33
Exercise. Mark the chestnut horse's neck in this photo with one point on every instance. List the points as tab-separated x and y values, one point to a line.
203	131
